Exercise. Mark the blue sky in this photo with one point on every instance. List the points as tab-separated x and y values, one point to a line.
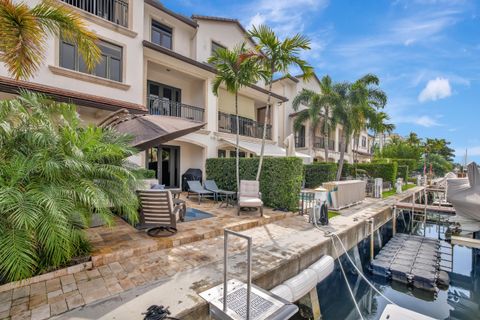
426	53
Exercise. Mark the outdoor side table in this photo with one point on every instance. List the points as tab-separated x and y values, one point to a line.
228	198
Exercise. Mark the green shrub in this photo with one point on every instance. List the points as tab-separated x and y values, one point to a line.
318	172
280	181
402	172
411	163
55	174
386	171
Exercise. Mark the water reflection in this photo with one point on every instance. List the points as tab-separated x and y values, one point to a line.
460	301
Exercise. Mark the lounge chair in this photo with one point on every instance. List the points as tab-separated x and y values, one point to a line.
158	213
196	188
250	196
224	195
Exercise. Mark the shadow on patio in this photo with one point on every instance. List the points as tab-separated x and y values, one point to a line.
121	241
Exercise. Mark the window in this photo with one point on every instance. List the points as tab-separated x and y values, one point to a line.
241	154
300	137
109	66
222	153
216	46
161	35
364	142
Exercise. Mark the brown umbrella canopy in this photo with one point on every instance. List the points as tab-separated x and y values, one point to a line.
150	130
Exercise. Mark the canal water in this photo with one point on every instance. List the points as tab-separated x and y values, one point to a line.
461	300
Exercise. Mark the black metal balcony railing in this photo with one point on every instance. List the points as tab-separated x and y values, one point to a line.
247	127
165	107
319	143
115	11
299	141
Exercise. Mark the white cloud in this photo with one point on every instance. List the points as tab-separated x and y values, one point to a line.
286	17
438	88
257	20
426	121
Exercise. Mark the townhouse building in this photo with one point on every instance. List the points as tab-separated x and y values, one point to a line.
313	143
155	61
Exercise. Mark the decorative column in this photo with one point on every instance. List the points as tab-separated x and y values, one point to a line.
275	122
211	106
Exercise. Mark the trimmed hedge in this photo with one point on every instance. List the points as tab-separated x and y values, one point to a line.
411	163
386	171
402	172
143	173
280	181
318	173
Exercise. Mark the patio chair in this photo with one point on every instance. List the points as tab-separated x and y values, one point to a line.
250	196
196	188
158	212
224	195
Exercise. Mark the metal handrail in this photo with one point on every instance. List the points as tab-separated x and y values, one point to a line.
247	127
115	11
166	107
225	267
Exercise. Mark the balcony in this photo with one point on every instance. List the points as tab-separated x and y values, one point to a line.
115	11
319	143
247	127
165	107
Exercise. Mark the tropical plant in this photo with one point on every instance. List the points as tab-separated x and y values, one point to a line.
318	108
378	124
277	56
356	103
235	69
55	174
24	32
366	98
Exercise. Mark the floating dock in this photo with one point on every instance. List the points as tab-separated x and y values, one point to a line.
411	259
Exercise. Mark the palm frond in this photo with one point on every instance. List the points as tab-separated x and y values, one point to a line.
24	33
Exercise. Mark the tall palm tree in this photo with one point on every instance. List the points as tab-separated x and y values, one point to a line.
235	69
366	98
379	125
343	115
355	103
328	123
318	110
277	56
24	32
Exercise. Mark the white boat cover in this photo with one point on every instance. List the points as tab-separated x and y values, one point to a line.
345	193
464	193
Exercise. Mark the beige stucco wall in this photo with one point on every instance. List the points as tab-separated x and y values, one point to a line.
226	103
182	33
192	89
132	68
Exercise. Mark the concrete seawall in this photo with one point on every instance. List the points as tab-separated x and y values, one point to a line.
281	250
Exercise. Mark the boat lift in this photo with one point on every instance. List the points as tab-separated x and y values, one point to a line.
236	300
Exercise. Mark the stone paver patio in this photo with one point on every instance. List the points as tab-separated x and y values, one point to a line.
140	270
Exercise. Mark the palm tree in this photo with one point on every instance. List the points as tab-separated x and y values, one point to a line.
355	103
318	110
277	56
378	124
24	32
55	174
235	69
328	123
366	98
343	115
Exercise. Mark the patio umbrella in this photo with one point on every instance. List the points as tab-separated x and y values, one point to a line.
150	130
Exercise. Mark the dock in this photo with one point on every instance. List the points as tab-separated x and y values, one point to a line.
423	207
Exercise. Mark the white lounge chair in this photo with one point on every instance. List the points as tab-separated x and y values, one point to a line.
250	196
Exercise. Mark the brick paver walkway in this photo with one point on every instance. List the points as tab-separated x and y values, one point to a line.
53	297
